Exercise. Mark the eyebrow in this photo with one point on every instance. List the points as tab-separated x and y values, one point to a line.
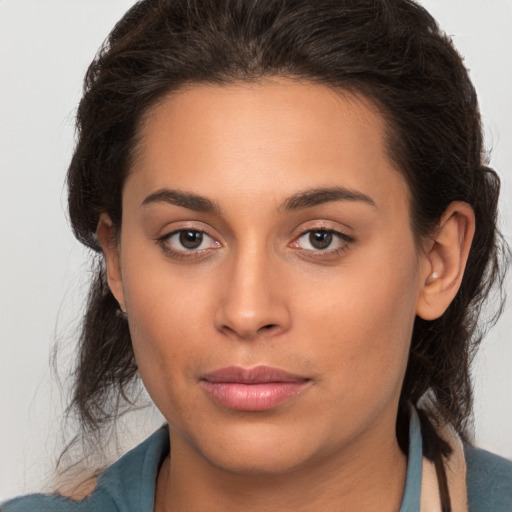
305	199
184	199
318	196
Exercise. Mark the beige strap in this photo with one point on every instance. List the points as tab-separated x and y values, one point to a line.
455	468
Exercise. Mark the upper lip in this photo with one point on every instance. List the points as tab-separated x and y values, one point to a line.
256	375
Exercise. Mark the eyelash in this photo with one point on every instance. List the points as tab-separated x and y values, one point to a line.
185	254
190	254
344	239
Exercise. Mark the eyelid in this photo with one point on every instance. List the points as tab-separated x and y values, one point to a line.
180	225
179	231
327	225
344	239
184	253
337	234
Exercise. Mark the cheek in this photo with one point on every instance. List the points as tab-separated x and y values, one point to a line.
363	321
168	318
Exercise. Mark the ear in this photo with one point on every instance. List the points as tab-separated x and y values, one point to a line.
107	238
445	259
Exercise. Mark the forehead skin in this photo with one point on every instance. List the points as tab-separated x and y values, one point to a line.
224	127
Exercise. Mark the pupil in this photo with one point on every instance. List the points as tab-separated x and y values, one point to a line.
320	239
191	239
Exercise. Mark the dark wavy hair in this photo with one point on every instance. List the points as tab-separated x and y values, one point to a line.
391	52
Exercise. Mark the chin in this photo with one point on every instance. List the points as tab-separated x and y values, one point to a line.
257	462
265	450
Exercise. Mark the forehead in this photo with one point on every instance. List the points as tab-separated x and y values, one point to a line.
280	135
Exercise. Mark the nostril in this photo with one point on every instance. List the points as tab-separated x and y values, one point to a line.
268	327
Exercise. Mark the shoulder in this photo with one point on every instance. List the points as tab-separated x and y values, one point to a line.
99	500
489	481
128	485
41	503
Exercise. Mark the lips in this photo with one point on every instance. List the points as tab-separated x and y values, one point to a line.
256	389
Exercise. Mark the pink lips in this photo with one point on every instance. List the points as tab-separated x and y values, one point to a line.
255	389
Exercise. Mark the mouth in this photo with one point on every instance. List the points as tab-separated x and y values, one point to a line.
256	389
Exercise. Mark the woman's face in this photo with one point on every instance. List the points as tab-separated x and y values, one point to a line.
269	273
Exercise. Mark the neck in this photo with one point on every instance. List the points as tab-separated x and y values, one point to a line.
362	478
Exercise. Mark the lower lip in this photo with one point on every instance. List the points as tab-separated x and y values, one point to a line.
253	397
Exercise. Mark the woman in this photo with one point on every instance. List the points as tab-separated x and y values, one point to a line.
297	231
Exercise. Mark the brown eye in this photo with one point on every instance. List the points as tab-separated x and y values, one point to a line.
190	239
320	239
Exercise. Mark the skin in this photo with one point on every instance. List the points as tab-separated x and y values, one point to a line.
257	292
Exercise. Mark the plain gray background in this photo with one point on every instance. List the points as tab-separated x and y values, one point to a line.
45	47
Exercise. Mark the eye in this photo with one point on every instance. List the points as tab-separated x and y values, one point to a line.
326	240
189	240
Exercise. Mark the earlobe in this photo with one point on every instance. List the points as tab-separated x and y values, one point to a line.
106	235
445	260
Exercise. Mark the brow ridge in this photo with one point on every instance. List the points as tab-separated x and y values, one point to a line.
300	200
187	200
315	197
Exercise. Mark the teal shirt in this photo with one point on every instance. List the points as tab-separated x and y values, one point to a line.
128	485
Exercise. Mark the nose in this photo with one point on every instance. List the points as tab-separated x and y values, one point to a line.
252	301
